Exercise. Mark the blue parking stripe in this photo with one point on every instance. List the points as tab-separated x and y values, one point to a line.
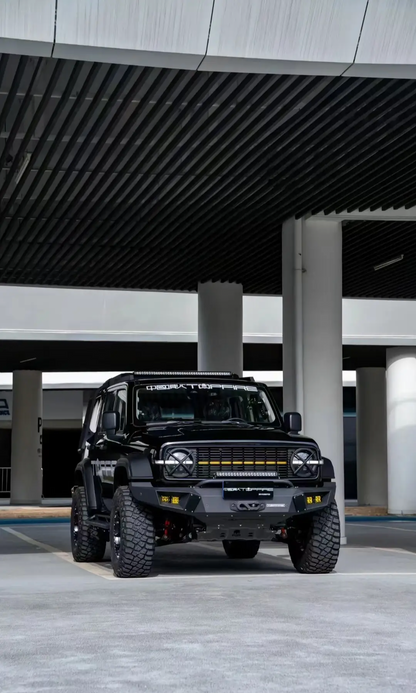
35	521
383	518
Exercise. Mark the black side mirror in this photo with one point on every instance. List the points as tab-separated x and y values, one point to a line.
293	422
111	421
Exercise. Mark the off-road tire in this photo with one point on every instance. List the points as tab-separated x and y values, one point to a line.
88	543
133	556
241	549
314	542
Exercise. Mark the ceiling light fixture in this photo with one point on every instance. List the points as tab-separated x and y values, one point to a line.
22	168
382	265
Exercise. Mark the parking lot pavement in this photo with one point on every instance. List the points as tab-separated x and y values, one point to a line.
205	623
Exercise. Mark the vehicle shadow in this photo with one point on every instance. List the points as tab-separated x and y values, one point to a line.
193	560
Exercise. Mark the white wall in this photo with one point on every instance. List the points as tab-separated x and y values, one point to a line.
90	381
57	406
100	315
44	313
162	33
323	37
27	27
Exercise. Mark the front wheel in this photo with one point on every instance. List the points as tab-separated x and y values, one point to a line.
132	536
241	549
314	541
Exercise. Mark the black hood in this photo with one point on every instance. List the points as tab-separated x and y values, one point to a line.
156	434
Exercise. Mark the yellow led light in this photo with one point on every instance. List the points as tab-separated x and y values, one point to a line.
309	500
318	499
165	499
175	500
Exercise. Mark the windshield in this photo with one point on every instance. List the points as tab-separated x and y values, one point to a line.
203	402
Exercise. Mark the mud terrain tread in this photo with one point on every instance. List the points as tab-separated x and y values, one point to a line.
321	550
137	537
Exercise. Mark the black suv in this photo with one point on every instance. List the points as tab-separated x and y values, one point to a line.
178	457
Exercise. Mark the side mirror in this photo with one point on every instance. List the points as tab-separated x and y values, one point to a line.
293	422
111	421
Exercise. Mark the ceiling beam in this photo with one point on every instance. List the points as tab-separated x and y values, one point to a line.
401	214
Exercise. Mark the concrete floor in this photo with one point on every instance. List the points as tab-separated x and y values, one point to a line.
203	623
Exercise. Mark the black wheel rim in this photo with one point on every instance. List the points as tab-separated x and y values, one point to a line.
116	534
75	526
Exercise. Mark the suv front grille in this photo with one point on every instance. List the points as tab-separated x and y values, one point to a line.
212	459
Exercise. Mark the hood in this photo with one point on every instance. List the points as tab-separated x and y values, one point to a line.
157	434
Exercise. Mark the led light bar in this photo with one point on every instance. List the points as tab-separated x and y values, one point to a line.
185	373
245	474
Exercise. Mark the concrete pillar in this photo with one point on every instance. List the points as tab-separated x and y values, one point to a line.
26	461
220	327
312	335
401	430
371	437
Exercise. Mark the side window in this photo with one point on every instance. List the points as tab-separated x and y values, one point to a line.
116	400
94	416
120	405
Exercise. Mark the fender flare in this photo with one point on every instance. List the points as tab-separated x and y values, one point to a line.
84	476
328	472
135	467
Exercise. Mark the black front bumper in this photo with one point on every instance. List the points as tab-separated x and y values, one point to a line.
216	517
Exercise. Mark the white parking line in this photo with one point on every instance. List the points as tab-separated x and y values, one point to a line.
373	574
275	576
382	525
63	555
402	551
382	548
283	551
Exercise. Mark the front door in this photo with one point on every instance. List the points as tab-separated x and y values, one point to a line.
107	446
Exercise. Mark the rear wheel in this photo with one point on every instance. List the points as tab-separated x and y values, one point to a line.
241	549
314	541
132	536
88	543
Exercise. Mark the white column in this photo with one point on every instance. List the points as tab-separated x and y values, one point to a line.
312	335
371	437
26	461
220	327
401	430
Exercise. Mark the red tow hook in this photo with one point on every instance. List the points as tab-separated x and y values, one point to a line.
166	530
281	534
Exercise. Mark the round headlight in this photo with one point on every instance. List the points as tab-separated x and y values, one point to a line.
180	464
304	463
